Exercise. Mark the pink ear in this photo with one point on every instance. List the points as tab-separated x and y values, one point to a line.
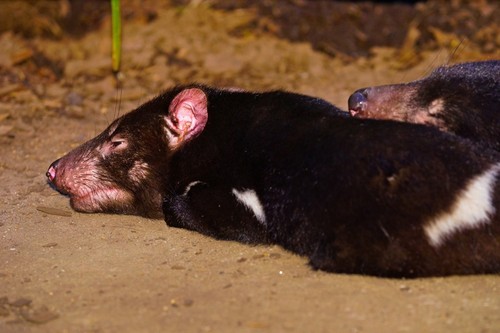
187	116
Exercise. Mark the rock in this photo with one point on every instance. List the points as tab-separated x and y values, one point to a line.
41	315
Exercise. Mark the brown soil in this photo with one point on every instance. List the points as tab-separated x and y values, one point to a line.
61	271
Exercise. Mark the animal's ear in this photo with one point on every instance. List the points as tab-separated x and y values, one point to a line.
430	115
187	117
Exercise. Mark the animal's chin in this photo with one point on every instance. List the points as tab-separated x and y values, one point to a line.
104	200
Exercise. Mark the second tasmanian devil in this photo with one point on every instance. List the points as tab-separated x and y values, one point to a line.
463	99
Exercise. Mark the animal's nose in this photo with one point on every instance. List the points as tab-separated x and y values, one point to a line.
52	171
358	101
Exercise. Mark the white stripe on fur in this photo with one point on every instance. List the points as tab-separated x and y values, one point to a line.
250	199
472	208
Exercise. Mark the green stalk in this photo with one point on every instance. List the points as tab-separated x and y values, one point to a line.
117	35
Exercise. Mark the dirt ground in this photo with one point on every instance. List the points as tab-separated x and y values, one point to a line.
62	271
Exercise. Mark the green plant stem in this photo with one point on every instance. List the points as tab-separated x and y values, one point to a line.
116	35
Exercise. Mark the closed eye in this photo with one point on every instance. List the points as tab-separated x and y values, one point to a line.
113	145
116	143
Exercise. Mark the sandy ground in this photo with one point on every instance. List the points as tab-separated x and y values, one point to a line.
61	271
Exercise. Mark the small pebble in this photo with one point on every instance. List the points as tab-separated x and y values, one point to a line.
404	288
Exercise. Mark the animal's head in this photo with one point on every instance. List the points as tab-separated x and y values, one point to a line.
452	98
122	170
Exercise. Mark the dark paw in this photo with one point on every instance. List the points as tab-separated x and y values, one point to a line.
175	211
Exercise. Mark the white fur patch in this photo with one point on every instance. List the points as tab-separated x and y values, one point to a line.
250	199
436	106
190	185
472	208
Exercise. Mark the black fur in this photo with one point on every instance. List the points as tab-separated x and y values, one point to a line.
352	195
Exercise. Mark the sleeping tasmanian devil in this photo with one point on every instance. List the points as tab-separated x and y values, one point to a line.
358	196
463	99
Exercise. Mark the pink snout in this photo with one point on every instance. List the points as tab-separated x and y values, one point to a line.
52	171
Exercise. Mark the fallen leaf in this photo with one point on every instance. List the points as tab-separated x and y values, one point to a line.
54	211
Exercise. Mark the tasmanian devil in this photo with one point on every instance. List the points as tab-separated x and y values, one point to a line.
354	195
463	99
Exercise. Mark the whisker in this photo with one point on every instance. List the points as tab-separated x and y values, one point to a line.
452	55
118	104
